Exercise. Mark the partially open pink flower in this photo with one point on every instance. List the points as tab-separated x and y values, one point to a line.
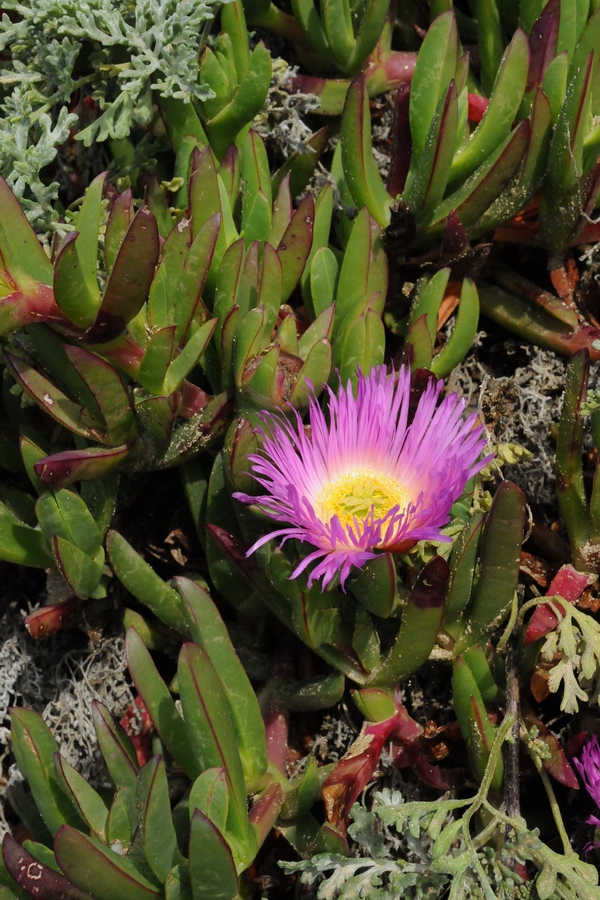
589	769
363	480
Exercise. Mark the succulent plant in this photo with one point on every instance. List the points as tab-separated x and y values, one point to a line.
210	751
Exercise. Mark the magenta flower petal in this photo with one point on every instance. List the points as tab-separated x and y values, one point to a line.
589	769
362	480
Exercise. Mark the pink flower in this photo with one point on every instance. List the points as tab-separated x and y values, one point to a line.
363	479
589	769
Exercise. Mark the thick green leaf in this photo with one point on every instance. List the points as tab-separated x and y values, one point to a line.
478	192
430	170
204	197
499	566
141	580
209	631
212	869
88	802
19	246
156	361
21	544
187	298
34	749
323	279
62	469
49	398
477	730
76	292
247	102
337	22
174	732
362	175
210	794
117	750
375	585
212	738
119	220
360	343
500	113
157	833
420	625
462	572
95	868
295	245
64	513
130	278
436	65
463	334
189	356
81	571
364	270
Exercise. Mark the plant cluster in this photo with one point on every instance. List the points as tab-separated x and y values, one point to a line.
210	296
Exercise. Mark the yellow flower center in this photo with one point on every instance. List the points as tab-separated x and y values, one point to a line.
356	493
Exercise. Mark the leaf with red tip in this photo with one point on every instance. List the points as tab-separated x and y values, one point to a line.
454	237
556	764
96	868
130	278
19	247
119	221
478	192
188	304
211	738
156	201
48	620
361	172
108	390
499	566
77	298
212	867
49	398
116	747
204	197
543	40
295	245
62	469
265	810
568	584
355	769
81	572
38	880
25	302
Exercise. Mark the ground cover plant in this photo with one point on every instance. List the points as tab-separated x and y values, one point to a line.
299	432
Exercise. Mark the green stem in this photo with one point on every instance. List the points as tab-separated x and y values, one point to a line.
567	849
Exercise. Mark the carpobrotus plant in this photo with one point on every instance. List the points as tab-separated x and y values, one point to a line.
274	321
375	475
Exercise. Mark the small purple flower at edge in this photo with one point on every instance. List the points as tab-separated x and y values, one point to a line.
365	481
589	769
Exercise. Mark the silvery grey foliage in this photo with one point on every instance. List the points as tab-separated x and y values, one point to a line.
439	856
117	53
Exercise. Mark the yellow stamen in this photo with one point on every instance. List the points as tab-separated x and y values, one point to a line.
356	493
